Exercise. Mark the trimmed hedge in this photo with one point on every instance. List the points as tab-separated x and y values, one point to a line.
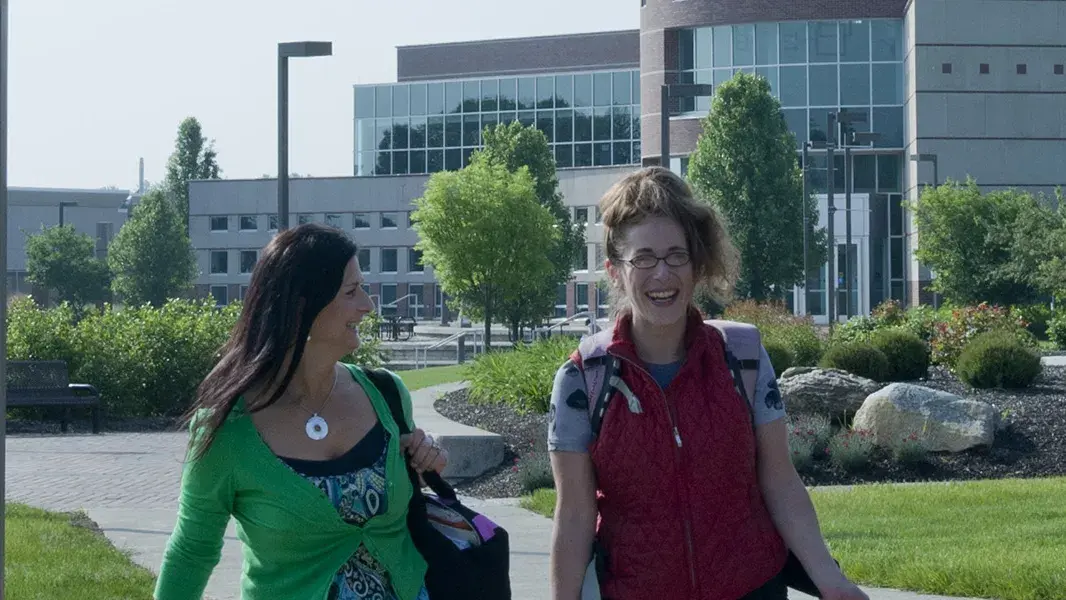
907	354
998	359
857	358
522	377
781	356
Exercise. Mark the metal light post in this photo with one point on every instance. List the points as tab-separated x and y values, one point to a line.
856	138
675	90
3	282
803	209
62	206
287	50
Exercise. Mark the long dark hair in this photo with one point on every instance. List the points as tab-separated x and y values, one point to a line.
298	274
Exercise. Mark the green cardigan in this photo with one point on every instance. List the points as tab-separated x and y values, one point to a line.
294	541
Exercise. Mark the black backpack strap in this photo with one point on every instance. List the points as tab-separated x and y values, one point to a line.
599	371
385	384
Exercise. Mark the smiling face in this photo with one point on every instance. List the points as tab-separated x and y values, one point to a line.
658	291
337	326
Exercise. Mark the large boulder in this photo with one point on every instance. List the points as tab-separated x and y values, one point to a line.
828	392
944	421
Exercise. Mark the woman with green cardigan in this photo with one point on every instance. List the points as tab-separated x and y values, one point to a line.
299	448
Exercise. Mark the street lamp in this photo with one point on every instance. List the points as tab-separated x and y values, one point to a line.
675	90
287	50
920	158
62	206
3	280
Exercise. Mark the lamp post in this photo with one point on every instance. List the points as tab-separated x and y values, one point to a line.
287	50
3	280
675	90
803	210
857	138
62	206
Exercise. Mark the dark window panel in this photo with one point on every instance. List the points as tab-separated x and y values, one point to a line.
384	134
546	92
622	94
506	118
766	43
435	98
854	41
889	172
564	91
601	128
1060	69
564	155
418	132
623	153
822	42
453	97
818	124
945	68
582	155
583	125
399	163
467	153
471	130
564	125
636	122
887	84
489	122
601	93
434	161
636	152
401	101
824	85
453	131
546	123
490	90
400	133
453	159
582	90
602	154
508	94
527	118
623	121
435	132
471	96
743	45
985	69
888	121
887	40
418	162
527	93
384	164
383	102
797	123
793	86
418	99
855	84
793	42
686	49
1022	69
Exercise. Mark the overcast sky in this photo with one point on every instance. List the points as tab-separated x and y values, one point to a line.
95	85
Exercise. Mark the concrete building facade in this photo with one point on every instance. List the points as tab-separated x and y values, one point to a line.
97	213
977	85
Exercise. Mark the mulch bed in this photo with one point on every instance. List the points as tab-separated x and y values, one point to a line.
1034	445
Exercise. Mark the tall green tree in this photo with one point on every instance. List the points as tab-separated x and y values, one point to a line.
746	164
151	257
976	242
516	146
64	261
486	236
194	157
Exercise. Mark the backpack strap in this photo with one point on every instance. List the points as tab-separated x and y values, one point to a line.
743	352
601	371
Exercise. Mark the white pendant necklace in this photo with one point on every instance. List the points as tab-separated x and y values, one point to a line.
316	427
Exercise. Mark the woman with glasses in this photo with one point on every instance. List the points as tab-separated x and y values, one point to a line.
680	488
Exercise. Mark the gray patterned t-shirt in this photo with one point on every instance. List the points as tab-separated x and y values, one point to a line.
569	428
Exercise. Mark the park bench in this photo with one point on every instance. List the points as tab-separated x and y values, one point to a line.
45	383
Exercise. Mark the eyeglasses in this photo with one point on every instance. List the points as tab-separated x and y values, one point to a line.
650	261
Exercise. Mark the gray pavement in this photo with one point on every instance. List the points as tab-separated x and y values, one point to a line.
129	484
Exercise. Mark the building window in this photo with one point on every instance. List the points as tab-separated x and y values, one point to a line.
305	218
984	69
581	261
364	260
334	220
248	258
416	304
388	260
249	223
581	215
581	296
360	221
560	301
220	294
272	222
1060	69
388	299
388	220
219	262
414	261
219	223
243	292
1022	69
945	68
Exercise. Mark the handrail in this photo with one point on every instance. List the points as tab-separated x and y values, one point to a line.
590	315
394	302
478	346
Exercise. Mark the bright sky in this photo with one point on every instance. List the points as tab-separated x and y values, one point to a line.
94	85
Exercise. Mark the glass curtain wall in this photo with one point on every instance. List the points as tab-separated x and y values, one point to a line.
590	120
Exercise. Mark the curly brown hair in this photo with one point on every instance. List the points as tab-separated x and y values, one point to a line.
659	192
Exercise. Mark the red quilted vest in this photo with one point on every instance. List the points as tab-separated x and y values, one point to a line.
681	520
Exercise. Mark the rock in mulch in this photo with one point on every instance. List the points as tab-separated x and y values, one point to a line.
828	392
946	422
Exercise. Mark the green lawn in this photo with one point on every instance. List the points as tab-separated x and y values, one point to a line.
422	378
989	539
48	558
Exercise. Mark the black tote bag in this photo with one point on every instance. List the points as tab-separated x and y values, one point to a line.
467	553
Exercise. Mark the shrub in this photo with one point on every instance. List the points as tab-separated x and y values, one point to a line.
964	324
781	356
1057	329
1037	316
997	359
35	333
534	472
522	377
801	451
858	358
850	450
855	329
909	450
923	320
809	435
907	354
779	326
889	313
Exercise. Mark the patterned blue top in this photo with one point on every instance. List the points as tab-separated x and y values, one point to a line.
355	484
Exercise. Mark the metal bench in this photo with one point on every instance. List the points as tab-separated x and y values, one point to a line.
45	383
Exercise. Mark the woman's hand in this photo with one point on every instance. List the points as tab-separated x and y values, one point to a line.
840	588
424	452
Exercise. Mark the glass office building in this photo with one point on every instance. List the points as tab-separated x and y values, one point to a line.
590	119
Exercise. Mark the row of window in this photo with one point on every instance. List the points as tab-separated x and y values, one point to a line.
1021	69
421	162
389	261
386	298
604	88
361	220
792	42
